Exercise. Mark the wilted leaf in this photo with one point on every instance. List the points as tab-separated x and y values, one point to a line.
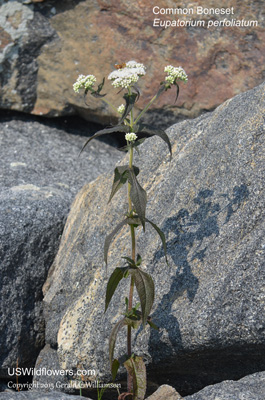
133	322
138	197
136	368
110	237
113	282
146	291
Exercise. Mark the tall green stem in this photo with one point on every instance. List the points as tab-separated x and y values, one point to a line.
129	331
145	109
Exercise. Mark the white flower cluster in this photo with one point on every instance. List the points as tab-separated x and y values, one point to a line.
84	82
125	76
121	109
130	137
174	73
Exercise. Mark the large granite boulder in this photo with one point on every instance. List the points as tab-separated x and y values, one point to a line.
46	45
40	175
209	304
251	387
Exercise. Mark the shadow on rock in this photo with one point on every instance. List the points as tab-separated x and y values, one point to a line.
186	235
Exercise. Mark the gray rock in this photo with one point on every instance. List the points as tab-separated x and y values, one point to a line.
42	381
251	387
40	175
209	304
31	395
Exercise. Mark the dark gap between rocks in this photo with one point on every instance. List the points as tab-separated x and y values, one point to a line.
74	125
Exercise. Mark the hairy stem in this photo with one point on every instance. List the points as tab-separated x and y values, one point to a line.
129	330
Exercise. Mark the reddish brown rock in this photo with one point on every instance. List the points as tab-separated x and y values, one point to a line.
89	37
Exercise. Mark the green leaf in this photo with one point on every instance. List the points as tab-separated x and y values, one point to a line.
138	260
110	237
149	131
113	282
138	197
146	291
96	93
177	95
113	337
120	178
152	324
162	236
114	368
117	128
130	261
136	368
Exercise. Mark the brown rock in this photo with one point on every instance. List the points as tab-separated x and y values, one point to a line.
89	37
165	392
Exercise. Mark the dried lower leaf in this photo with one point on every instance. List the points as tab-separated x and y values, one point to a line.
136	368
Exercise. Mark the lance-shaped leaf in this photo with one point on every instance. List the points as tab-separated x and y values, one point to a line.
130	101
136	368
113	282
113	337
110	237
117	128
114	368
148	132
162	236
146	291
138	196
120	178
177	94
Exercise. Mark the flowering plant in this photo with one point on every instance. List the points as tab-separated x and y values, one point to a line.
125	76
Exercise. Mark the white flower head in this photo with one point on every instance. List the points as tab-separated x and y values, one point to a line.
174	73
130	137
127	74
121	109
84	82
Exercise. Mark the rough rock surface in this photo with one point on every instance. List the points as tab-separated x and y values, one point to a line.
251	387
46	45
44	383
40	175
32	395
209	305
165	392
